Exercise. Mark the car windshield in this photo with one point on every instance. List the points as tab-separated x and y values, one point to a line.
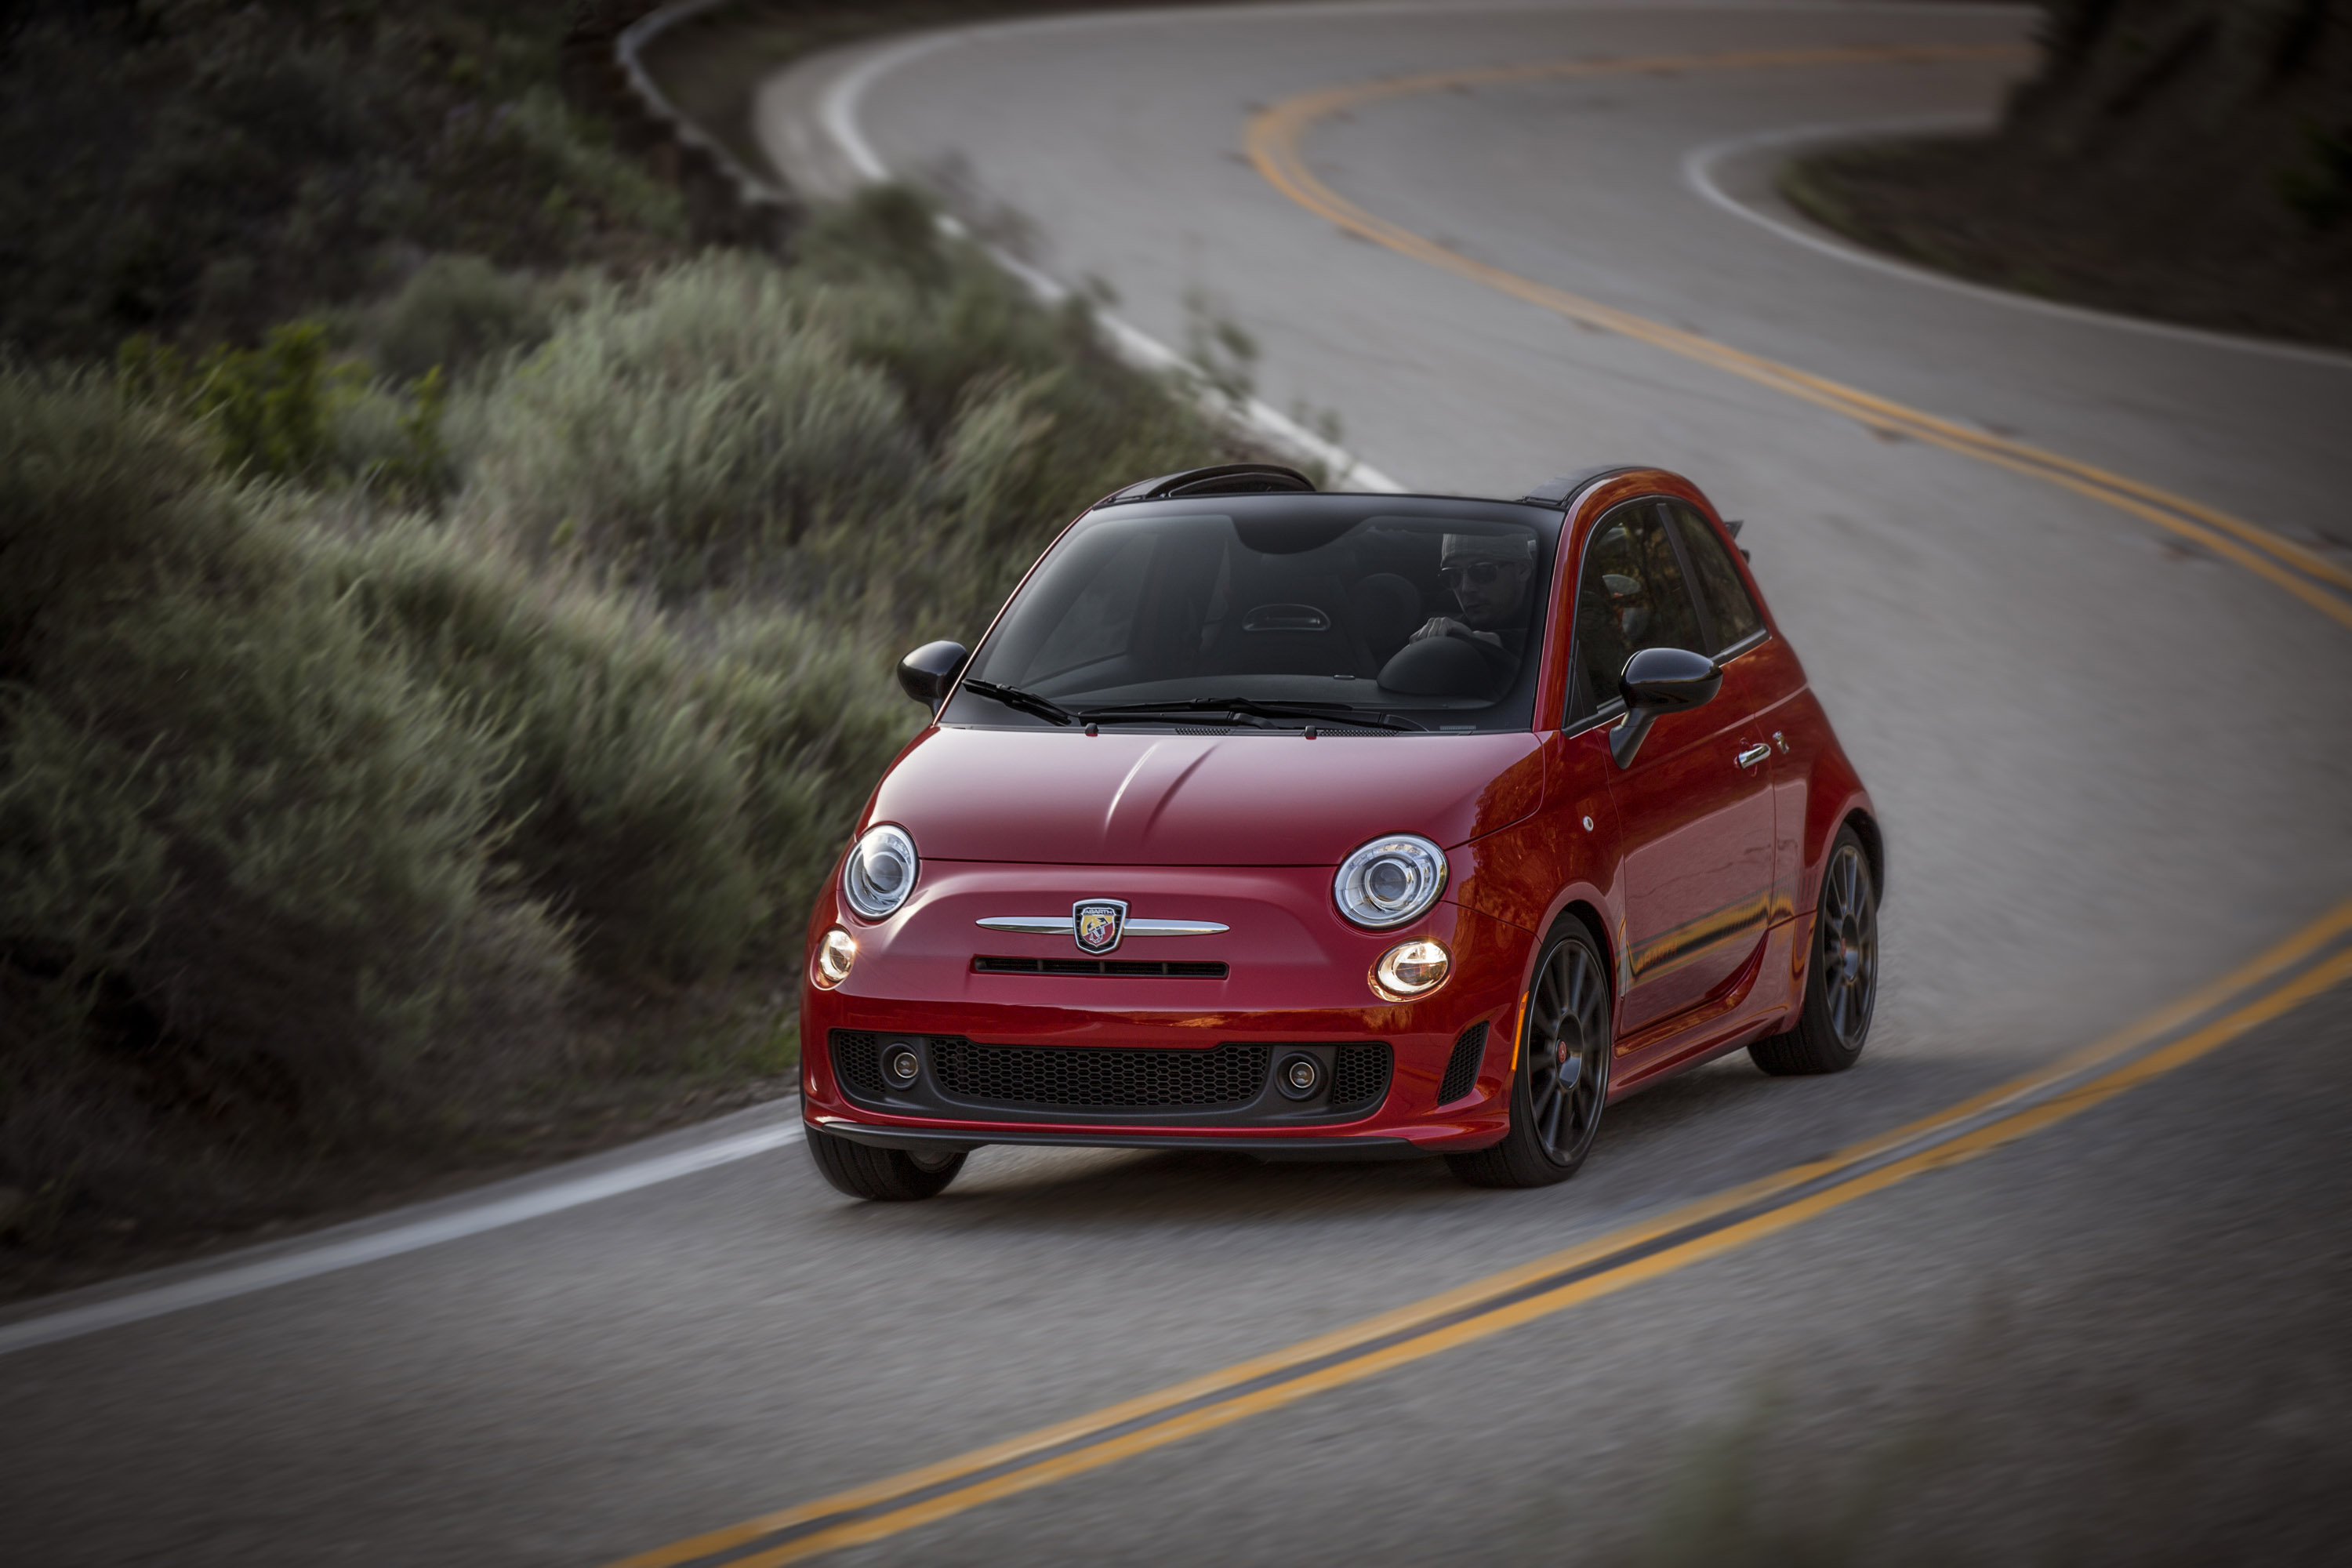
1379	612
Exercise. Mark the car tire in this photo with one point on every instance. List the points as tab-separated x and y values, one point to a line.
884	1176
1561	1085
1841	977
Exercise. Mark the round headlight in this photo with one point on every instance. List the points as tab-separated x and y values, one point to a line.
834	955
880	872
1390	881
1411	969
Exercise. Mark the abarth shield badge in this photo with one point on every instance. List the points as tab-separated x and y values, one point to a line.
1097	922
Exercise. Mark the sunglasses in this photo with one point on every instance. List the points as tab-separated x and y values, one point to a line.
1482	574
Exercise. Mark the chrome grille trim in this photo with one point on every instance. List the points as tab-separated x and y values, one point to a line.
1067	925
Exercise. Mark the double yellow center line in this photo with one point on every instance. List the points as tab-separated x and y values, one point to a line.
1273	144
2311	961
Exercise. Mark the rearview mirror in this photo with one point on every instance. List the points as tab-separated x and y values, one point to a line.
925	674
1660	680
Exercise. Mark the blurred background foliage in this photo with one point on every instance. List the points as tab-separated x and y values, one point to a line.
2189	159
446	613
209	167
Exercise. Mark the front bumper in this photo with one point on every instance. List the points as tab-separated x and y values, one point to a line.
1296	983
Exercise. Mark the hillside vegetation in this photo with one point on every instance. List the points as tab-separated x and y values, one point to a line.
2184	159
371	741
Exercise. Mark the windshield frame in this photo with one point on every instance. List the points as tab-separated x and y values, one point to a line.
1514	710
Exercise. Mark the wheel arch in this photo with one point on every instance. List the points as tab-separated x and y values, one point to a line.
1873	846
1579	902
1584	913
1577	909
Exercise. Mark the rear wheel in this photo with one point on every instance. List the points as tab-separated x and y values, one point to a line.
1842	978
885	1175
1562	1081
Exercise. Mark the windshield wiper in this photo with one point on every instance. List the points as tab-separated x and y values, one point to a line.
1026	701
1338	711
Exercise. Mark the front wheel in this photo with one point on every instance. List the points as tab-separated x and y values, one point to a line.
884	1176
1562	1081
1841	979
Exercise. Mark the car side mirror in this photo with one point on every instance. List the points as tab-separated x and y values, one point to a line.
1660	680
925	674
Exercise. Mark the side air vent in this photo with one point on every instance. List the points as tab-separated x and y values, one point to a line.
1360	1075
857	1060
1225	480
1462	1067
1139	968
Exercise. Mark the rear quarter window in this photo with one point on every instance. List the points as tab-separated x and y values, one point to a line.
1729	608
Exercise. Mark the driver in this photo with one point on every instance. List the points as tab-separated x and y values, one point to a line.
1489	577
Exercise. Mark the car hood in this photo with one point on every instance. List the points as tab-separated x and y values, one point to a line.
1142	799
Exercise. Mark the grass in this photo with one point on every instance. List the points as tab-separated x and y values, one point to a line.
353	816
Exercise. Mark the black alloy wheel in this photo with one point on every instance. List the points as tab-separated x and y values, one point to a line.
884	1175
1566	1047
1842	977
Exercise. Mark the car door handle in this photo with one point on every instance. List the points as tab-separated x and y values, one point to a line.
1753	755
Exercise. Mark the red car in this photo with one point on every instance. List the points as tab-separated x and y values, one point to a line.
1304	825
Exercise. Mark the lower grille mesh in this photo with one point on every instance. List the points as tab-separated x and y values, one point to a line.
1360	1076
1071	1078
1462	1068
857	1060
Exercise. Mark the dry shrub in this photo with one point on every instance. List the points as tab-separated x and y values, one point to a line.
309	807
246	854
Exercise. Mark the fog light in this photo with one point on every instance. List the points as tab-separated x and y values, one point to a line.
900	1065
1298	1077
834	955
1411	969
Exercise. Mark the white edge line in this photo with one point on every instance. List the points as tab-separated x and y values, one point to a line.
837	112
1698	169
372	1246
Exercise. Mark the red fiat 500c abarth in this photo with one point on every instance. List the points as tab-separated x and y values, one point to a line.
1298	823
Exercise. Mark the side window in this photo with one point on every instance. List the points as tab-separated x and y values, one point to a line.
1728	608
1630	596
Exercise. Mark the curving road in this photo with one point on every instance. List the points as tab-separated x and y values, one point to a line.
2069	589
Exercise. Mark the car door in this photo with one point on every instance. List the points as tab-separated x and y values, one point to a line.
1760	676
1695	808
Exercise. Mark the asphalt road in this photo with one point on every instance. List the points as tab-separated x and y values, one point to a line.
2112	765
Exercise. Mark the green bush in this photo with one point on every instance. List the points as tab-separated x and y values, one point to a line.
286	411
270	409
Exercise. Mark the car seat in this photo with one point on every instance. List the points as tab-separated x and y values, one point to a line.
1439	667
1388	611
